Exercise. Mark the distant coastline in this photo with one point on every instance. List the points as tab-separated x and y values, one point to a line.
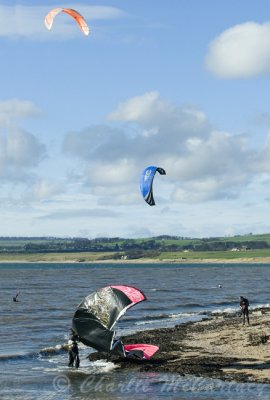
79	259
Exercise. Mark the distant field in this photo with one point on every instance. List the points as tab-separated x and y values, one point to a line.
52	257
80	257
220	255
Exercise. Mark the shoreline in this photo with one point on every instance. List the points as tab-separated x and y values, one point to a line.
246	260
217	347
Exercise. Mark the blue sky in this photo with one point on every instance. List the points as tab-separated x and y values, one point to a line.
181	84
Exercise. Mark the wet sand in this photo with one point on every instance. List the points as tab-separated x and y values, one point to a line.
220	347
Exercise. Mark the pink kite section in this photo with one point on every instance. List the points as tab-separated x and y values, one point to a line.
134	294
148	349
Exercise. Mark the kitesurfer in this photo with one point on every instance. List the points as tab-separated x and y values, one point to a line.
73	350
244	304
15	298
74	355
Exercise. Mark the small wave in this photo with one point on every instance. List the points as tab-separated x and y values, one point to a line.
152	308
103	366
236	309
171	321
149	322
155	318
223	302
46	352
267	305
181	315
134	319
190	305
86	367
203	311
164	290
228	310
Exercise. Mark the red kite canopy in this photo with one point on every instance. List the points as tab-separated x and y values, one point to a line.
73	13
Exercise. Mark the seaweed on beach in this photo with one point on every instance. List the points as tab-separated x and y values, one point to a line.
213	348
257	339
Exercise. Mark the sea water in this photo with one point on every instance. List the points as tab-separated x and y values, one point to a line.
32	331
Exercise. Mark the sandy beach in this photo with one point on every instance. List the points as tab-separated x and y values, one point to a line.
75	260
220	347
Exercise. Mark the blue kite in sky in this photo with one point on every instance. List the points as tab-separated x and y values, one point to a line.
146	183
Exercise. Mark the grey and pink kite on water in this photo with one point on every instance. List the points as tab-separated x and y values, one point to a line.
97	314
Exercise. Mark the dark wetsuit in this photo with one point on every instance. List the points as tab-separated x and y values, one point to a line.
74	355
15	297
244	304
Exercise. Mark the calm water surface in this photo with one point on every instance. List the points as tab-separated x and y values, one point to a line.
32	330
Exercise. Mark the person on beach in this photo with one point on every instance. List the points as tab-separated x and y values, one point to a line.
244	304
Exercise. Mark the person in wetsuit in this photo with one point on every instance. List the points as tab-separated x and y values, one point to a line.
244	304
74	350
74	355
15	298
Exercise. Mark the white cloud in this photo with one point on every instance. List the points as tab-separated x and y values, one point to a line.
111	174
82	213
168	128
98	12
28	21
14	110
140	108
220	154
206	189
241	51
44	189
261	161
155	113
20	151
201	163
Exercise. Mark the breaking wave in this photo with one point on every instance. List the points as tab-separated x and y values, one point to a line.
46	352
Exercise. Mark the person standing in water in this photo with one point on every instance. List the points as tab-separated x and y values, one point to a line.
74	350
244	304
74	355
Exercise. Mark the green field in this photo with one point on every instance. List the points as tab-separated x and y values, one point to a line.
53	257
219	255
182	257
